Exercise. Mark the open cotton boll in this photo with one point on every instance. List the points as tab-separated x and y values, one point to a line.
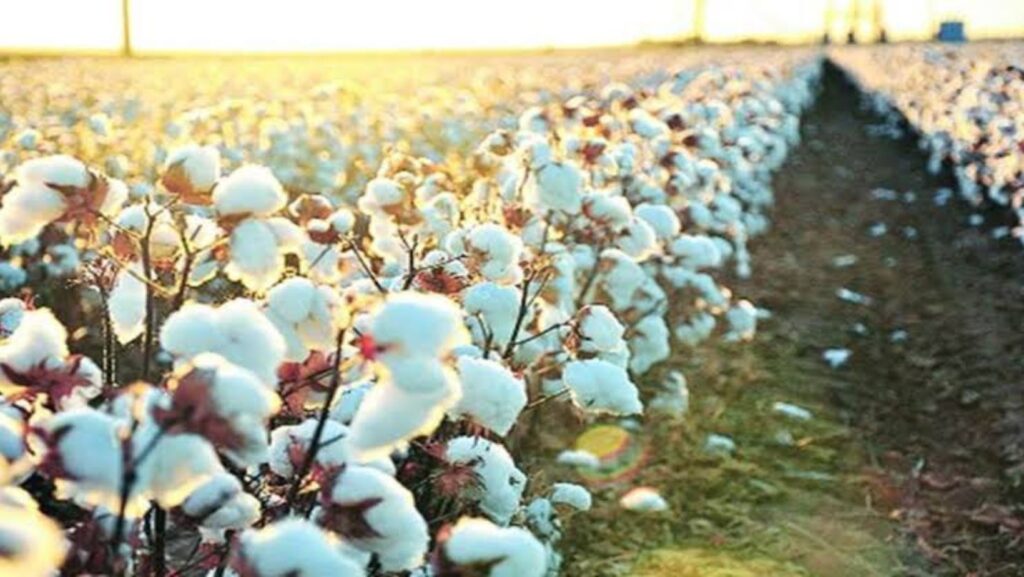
418	375
348	401
696	252
389	416
505	551
223	402
12	310
176	465
662	219
558	186
191	170
416	323
601	387
32	544
26	209
611	212
581	459
375	513
571	494
498	305
742	319
491	395
60	170
221	503
257	259
648	344
643	499
697	329
673	397
249	191
237	331
83	457
600	330
494	252
39	340
620	278
306	315
127	304
383	197
272	552
501	484
290	443
638	240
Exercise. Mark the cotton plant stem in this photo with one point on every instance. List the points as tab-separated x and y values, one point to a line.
314	443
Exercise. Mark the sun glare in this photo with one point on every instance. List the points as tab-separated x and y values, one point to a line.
317	25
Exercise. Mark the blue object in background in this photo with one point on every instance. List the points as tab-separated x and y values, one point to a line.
952	31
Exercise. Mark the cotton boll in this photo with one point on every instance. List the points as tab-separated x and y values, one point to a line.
662	219
696	252
191	171
610	212
348	401
697	329
220	503
32	544
505	551
581	459
83	456
127	304
12	310
414	323
491	394
39	340
307	316
375	513
742	319
225	403
620	278
600	386
271	552
388	417
26	209
648	344
501	484
236	330
256	257
673	397
191	330
495	252
12	450
599	328
249	191
498	305
176	465
558	186
576	496
638	240
289	445
643	499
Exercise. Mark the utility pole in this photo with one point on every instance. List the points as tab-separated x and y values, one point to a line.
126	29
699	10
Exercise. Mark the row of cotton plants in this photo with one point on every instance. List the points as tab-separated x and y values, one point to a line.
315	132
293	383
966	105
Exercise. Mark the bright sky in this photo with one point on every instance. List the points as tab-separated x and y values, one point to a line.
311	25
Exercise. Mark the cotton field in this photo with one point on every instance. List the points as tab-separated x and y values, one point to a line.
637	311
319	321
965	106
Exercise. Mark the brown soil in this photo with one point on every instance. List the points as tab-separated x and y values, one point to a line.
940	413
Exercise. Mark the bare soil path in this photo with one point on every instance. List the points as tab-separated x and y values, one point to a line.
912	462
